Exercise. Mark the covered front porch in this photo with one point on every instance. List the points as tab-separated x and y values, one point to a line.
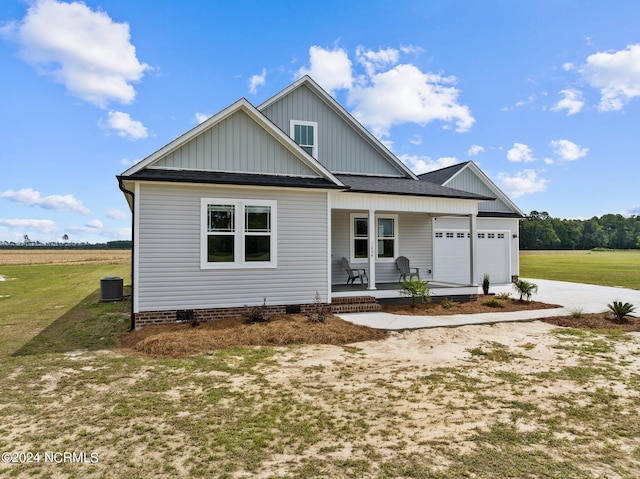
393	290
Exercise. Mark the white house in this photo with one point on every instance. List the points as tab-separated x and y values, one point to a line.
264	202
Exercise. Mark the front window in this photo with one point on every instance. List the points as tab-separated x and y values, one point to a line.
238	233
305	134
386	237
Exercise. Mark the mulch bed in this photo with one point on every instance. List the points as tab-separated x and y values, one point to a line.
470	307
183	340
596	321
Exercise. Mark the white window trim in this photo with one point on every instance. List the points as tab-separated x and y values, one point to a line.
314	124
239	233
396	241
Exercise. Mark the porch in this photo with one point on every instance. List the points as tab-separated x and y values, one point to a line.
393	290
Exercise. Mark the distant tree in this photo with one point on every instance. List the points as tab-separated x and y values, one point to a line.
65	237
26	239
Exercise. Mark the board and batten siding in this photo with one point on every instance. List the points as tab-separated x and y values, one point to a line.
341	149
415	241
466	180
170	276
237	144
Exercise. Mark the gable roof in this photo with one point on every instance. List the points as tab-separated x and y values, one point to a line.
339	110
405	186
446	176
246	107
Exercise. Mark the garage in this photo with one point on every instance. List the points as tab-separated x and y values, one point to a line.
451	256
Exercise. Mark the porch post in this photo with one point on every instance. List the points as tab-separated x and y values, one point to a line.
473	249
372	249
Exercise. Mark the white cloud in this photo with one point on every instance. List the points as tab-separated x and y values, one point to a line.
372	61
257	80
416	140
424	164
568	150
202	117
616	74
522	183
116	214
95	224
42	226
125	126
127	162
572	101
330	68
388	93
83	49
520	152
405	94
475	149
28	196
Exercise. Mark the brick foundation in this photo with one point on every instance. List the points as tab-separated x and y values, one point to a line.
148	318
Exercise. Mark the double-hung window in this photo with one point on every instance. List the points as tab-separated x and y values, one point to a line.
238	233
305	134
386	240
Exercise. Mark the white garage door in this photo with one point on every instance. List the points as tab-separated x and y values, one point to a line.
451	256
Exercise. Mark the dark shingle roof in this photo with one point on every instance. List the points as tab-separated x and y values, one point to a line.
222	178
404	186
442	175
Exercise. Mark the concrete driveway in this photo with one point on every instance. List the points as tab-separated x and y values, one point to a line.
572	296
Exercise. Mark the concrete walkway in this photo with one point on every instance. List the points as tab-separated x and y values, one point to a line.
572	296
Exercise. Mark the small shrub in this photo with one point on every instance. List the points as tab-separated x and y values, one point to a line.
576	313
416	290
485	284
256	314
321	311
504	296
620	310
447	303
525	288
494	303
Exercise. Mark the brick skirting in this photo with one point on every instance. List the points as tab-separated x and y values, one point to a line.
148	318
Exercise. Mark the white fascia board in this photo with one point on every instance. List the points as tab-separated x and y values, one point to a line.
345	115
490	184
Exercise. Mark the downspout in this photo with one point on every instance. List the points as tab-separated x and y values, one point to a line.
133	246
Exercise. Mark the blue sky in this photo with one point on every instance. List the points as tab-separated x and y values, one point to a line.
543	95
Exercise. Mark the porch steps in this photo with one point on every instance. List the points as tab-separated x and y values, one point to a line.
354	304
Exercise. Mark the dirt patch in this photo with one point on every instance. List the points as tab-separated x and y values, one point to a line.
595	321
470	307
182	340
64	256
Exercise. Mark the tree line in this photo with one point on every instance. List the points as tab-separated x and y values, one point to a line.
541	231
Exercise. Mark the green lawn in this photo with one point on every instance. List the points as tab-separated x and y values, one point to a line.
608	268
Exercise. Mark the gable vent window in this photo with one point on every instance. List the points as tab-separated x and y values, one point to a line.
305	134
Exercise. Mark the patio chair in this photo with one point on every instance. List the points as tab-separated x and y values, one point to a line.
402	262
354	273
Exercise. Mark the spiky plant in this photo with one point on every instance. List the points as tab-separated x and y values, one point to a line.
525	288
620	309
416	290
485	284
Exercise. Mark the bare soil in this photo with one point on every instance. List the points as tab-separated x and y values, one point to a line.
63	256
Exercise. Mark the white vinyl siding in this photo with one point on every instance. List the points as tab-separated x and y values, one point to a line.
467	180
169	232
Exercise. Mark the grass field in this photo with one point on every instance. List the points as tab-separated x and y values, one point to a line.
608	268
511	401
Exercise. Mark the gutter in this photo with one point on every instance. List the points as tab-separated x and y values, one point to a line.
133	246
